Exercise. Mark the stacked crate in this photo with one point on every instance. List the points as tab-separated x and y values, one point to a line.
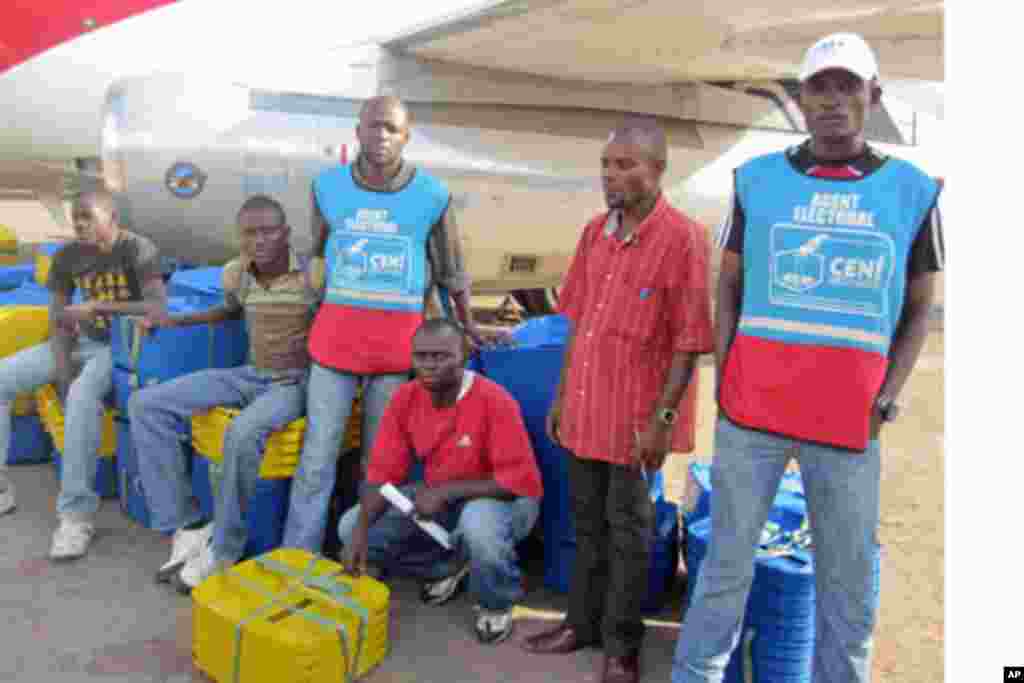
25	327
142	359
52	414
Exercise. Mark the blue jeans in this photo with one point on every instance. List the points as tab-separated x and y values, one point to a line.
158	413
842	490
485	532
328	406
33	367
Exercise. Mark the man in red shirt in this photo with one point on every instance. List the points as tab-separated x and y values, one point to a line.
637	296
480	480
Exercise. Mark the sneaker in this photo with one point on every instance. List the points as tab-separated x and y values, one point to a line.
72	538
443	590
492	626
6	496
187	544
198	568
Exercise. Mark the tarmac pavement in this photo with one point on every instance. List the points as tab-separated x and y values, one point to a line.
103	618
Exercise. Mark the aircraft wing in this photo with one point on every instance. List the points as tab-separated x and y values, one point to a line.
650	42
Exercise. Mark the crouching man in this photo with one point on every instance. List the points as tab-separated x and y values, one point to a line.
481	482
275	289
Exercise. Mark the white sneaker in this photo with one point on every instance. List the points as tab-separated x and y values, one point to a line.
198	568
72	538
6	495
493	627
441	591
187	544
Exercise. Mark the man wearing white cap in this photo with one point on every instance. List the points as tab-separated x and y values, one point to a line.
826	285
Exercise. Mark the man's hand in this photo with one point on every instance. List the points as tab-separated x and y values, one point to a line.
554	421
355	554
79	313
876	422
156	319
430	501
652	445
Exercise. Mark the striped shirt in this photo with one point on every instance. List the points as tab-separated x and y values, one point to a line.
634	304
279	314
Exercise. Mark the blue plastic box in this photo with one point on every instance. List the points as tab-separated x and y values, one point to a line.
29	441
131	490
26	294
201	287
16	275
530	374
166	353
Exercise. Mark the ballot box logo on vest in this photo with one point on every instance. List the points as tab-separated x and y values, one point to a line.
376	260
831	258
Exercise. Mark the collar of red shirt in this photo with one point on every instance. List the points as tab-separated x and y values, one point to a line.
614	219
468	376
467	384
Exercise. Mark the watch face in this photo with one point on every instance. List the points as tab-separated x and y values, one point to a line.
889	411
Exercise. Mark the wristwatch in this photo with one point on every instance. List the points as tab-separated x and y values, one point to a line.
888	409
668	416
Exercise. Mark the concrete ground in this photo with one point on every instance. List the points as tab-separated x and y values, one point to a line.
104	619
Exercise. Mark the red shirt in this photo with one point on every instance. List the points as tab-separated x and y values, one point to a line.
482	436
633	304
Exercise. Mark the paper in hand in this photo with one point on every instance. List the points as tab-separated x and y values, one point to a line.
405	506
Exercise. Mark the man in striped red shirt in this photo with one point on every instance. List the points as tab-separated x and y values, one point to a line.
637	296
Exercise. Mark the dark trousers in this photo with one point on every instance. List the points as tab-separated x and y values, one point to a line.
614	522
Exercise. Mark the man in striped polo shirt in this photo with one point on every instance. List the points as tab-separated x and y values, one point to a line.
277	291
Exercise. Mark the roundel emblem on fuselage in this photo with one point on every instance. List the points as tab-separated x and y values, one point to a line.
184	180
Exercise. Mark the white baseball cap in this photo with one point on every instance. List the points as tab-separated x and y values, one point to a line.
846	51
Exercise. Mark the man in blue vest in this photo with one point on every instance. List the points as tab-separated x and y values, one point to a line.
388	234
827	281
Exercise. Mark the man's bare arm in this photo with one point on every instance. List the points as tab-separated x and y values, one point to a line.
554	418
728	298
62	342
679	376
319	227
911	333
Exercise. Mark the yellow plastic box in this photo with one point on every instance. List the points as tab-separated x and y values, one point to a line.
43	262
24	404
8	246
291	616
23	326
284	447
52	415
